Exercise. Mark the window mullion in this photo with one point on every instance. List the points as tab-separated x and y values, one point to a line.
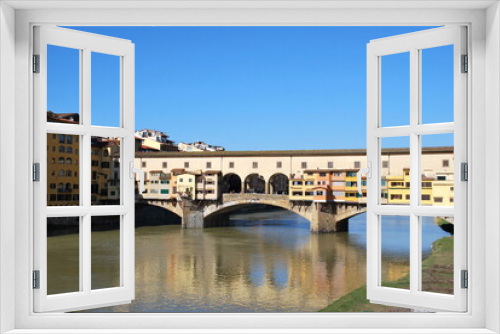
414	168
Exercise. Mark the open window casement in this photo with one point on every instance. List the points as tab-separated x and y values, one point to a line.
71	191
420	128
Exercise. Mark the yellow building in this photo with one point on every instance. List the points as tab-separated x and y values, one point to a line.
63	177
398	188
351	186
443	190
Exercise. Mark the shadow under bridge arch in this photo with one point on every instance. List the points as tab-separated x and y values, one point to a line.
221	216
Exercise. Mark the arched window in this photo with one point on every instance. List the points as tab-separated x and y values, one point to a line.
60	186
61	160
61	149
68	186
69	150
69	161
60	172
68	173
76	174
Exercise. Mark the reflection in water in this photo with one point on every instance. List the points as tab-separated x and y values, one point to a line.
271	265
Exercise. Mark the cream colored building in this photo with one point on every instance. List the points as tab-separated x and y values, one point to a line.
186	185
239	165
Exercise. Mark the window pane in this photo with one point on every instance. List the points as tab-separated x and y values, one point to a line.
437	254
395	89
437	188
63	169
105	90
63	255
105	176
105	257
395	171
395	250
63	85
437	84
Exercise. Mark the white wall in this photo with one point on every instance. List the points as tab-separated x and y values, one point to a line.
7	158
492	147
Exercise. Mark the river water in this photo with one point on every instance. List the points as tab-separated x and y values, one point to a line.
266	262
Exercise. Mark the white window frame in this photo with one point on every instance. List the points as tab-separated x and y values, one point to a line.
414	43
85	43
483	213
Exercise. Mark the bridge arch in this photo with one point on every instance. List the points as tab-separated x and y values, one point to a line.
231	184
255	184
220	216
278	184
323	217
169	205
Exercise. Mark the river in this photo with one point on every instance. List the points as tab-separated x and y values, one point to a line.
266	262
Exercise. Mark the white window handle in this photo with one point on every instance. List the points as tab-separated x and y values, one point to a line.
133	171
368	172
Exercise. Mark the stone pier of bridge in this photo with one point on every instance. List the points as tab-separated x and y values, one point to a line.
323	216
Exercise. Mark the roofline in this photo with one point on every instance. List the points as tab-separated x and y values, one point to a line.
289	153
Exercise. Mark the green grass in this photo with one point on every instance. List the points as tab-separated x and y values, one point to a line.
437	276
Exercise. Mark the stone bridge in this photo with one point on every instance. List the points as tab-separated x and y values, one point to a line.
323	216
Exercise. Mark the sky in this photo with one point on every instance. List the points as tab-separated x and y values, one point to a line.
256	88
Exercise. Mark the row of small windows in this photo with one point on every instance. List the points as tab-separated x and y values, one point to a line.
62	172
63	197
64	149
65	186
66	139
279	164
61	160
425	197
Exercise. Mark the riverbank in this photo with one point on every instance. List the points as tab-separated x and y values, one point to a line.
437	276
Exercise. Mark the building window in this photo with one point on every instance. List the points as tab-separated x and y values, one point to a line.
407	197
426	197
446	163
438	199
322	174
385	164
94	176
357	164
278	164
441	178
209	165
164	165
186	164
52	186
144	164
69	150
396	196
62	139
231	165
451	199
95	163
61	149
164	191
330	164
304	165
255	165
105	153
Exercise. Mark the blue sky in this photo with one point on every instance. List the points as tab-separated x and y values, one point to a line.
256	88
